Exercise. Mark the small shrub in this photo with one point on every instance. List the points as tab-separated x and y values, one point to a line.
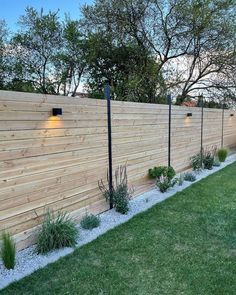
121	199
180	179
121	193
188	176
208	157
90	221
216	162
163	183
208	162
156	172
174	181
8	251
222	154
196	162
56	232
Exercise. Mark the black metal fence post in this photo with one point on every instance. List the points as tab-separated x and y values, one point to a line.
108	98
202	108
222	127
169	125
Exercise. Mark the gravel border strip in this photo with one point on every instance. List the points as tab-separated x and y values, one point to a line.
27	261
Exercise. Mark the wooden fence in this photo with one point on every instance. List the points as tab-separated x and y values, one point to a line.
56	162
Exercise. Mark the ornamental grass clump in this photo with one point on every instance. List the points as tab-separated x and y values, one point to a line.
57	231
222	154
90	221
120	194
8	251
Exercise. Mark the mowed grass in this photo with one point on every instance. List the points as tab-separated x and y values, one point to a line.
185	245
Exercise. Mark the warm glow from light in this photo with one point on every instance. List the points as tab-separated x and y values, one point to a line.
187	121
53	122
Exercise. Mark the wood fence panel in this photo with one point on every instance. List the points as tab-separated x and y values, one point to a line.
49	162
56	162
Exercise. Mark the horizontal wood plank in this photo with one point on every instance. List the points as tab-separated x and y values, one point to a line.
56	162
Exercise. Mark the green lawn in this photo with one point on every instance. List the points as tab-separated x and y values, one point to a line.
185	245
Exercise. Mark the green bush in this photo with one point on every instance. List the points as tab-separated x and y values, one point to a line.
163	183
121	193
208	162
8	251
121	199
90	221
156	172
196	162
208	157
57	231
222	154
188	176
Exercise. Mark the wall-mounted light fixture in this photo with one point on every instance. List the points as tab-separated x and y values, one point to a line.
56	111
189	114
231	115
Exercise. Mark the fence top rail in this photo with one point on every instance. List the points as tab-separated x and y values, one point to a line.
75	101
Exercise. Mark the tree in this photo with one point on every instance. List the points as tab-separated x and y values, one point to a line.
154	25
34	48
212	53
130	70
3	45
199	34
70	61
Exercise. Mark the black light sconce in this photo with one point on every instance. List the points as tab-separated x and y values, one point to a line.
56	111
189	114
231	115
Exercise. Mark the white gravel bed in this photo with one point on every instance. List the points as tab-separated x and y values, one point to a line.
27	261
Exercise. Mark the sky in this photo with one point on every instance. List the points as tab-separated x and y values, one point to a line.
12	9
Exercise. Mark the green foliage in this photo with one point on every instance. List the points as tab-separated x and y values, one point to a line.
70	61
121	199
8	251
57	231
90	221
36	45
163	183
48	54
196	162
216	162
208	162
128	43
156	172
208	157
4	33
222	154
129	68
211	103
180	179
120	194
188	176
155	26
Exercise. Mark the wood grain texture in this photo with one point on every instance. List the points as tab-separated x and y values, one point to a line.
48	162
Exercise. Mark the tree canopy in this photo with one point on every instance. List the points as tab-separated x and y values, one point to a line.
144	48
